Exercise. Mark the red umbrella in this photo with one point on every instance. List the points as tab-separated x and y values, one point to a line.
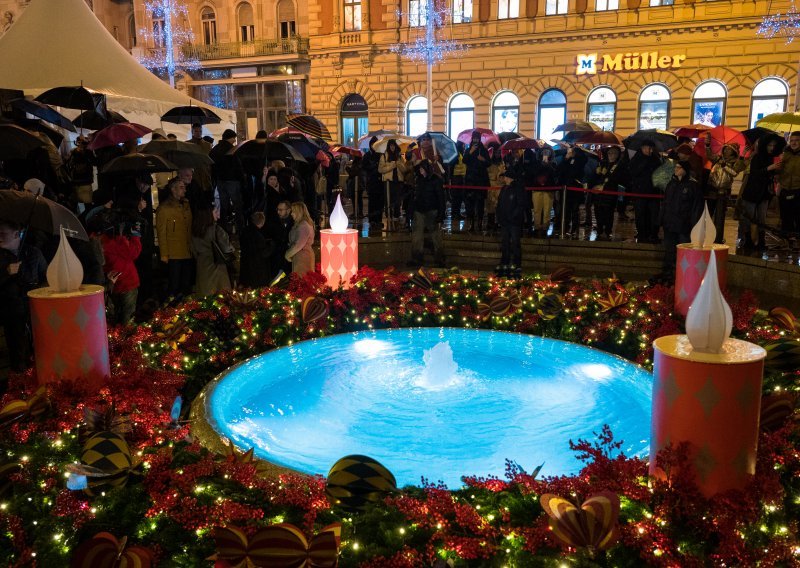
337	150
117	134
487	136
523	144
721	135
603	137
691	131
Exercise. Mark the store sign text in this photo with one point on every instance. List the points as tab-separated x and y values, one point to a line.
591	63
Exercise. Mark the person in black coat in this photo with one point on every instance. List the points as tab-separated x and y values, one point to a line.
570	172
680	210
429	202
641	167
757	191
510	217
376	197
257	250
477	160
229	177
277	232
610	176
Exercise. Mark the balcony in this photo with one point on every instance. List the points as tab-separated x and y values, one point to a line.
257	48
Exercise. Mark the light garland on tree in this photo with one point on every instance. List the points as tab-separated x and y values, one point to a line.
170	39
781	25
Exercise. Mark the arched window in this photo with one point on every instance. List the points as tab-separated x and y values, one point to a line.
601	107
708	103
286	18
507	9
769	96
355	119
132	30
247	26
552	113
416	116
209	20
654	107
462	11
460	115
505	112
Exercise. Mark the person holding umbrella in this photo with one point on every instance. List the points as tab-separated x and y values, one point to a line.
641	167
391	167
725	167
477	160
611	173
681	209
429	202
789	198
174	226
375	194
571	174
229	178
757	192
510	217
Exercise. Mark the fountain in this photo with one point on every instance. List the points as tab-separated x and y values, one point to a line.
433	402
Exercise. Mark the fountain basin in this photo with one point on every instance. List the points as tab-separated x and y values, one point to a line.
512	396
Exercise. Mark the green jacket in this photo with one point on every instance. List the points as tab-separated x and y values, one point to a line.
790	170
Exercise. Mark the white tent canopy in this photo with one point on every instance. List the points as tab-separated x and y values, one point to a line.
61	43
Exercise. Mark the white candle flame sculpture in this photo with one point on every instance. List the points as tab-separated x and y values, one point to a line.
338	219
709	320
65	273
704	232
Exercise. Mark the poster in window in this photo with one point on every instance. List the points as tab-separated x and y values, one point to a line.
708	113
506	119
602	115
763	107
653	115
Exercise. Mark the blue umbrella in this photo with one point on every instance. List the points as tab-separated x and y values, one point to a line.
302	144
445	146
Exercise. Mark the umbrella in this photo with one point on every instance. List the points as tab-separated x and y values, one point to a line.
35	126
43	111
577	126
277	150
138	163
300	142
363	142
487	136
289	130
721	135
254	154
310	125
445	146
337	150
190	115
38	212
691	131
402	141
506	136
117	134
16	143
523	144
663	140
753	134
781	121
93	120
182	154
603	137
74	97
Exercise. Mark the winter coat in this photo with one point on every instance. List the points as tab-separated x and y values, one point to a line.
790	170
211	277
15	287
301	237
174	229
641	170
254	271
120	254
682	205
477	169
429	193
544	175
277	232
510	209
609	177
369	167
495	171
227	165
391	170
571	172
758	186
723	171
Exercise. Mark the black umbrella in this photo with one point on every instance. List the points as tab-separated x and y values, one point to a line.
753	134
506	136
93	120
302	144
190	115
276	150
663	140
445	146
74	97
132	164
33	125
16	143
182	154
577	126
29	210
43	111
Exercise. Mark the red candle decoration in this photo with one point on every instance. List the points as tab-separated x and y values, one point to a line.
691	267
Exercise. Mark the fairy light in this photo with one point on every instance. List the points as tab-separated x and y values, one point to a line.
781	25
170	38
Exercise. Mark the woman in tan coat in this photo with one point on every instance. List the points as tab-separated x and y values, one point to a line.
301	237
174	229
392	169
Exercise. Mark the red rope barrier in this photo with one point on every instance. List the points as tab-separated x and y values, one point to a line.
559	188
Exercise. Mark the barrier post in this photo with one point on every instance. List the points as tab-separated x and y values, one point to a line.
563	210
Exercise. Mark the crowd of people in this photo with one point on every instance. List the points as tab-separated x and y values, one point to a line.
244	222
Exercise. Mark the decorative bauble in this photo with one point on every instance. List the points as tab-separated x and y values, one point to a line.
783	355
278	546
422	279
593	525
562	273
504	304
484	311
314	308
549	306
783	318
103	550
107	452
775	410
354	481
614	298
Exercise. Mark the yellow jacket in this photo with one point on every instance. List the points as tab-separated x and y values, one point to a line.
174	229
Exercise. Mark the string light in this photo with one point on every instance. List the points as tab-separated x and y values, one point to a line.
171	37
781	25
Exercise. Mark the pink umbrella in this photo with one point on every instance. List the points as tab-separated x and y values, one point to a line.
487	136
117	134
523	144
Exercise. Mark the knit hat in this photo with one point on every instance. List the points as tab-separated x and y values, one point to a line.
687	167
34	186
734	146
684	149
228	134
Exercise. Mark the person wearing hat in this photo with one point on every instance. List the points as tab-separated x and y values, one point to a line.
477	160
642	165
725	167
229	177
510	216
680	210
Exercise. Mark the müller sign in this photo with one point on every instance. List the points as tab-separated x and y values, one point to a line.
589	64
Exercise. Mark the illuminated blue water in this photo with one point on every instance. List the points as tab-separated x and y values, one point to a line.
512	396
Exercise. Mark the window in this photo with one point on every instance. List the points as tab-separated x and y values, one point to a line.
417	13
209	21
286	18
462	11
508	9
552	113
662	2
132	30
601	107
352	15
416	116
505	112
654	107
247	28
605	5
769	96
461	115
555	7
159	30
355	119
708	103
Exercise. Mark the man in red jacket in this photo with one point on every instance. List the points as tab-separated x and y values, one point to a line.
120	253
